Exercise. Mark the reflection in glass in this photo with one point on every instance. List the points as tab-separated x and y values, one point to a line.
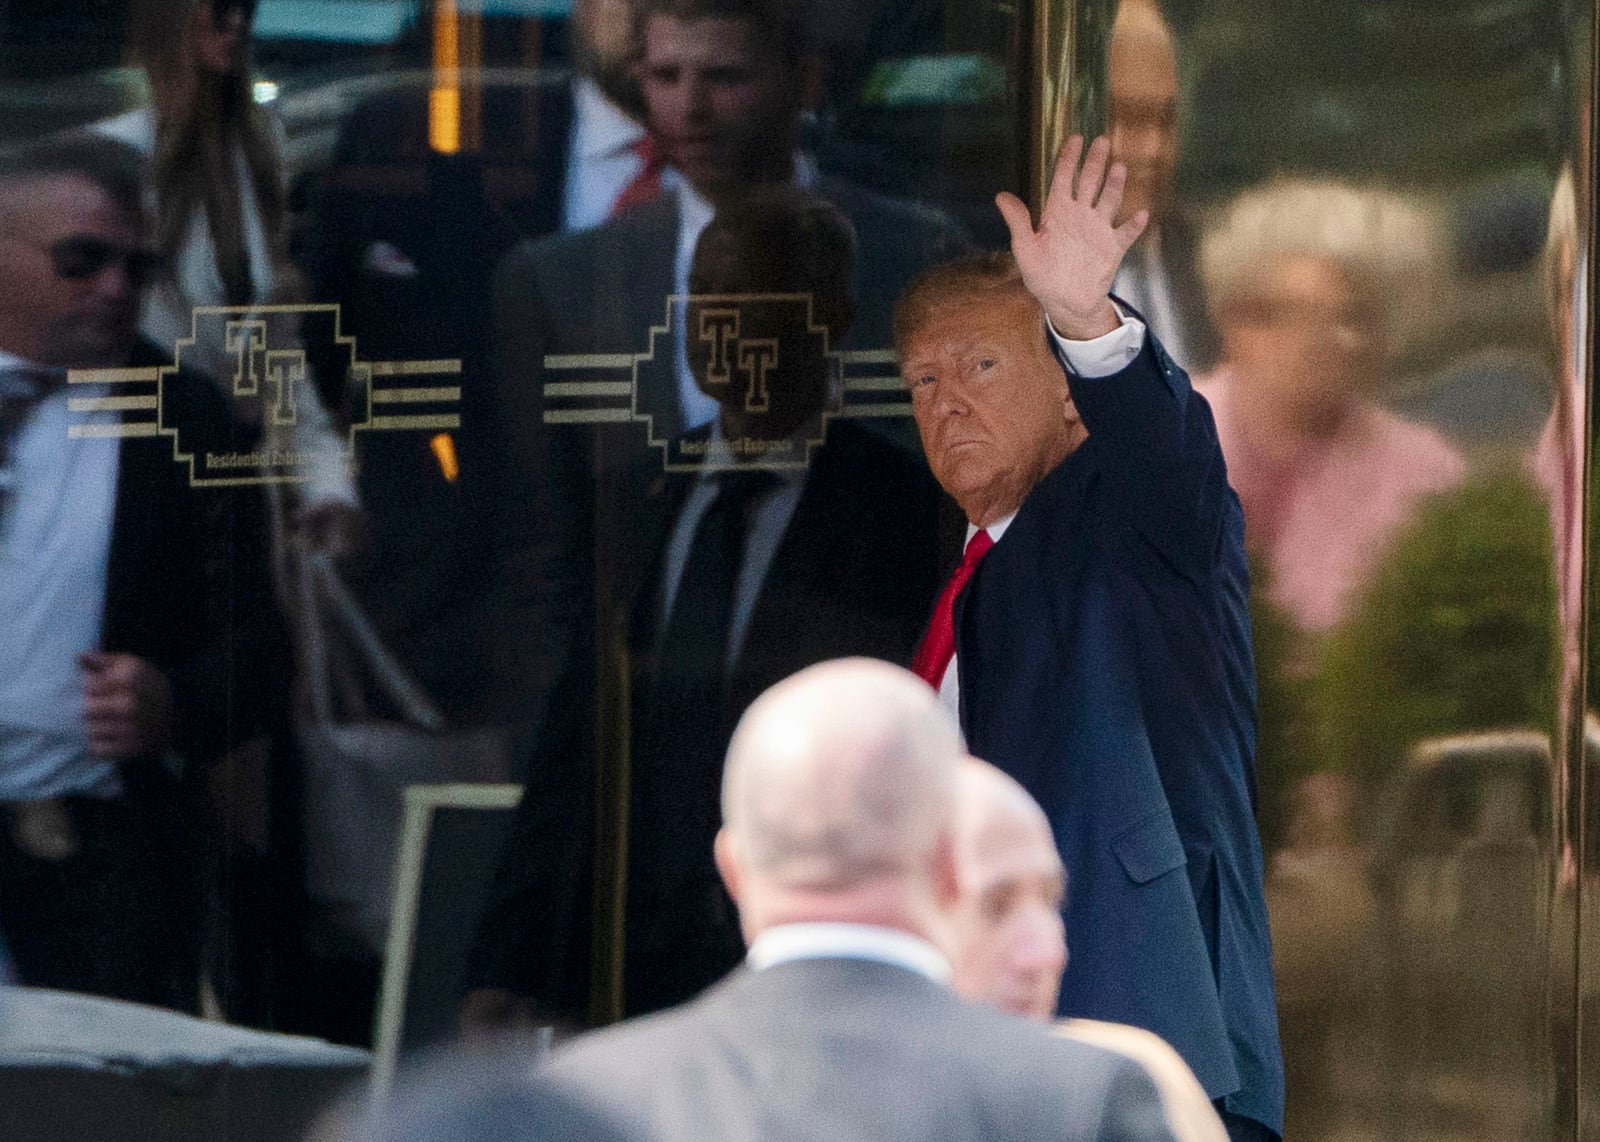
1396	400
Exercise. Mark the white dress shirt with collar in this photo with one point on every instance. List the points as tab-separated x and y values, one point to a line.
769	520
1104	356
601	160
55	542
787	943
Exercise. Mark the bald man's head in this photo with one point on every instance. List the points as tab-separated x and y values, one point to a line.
1142	119
1008	944
838	796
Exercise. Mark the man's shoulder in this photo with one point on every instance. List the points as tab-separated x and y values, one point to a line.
837	1024
575	255
899	220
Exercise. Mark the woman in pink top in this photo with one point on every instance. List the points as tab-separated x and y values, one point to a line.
1299	275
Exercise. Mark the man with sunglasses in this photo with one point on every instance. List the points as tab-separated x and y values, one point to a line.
103	582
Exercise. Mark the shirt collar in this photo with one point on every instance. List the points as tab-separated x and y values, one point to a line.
603	128
695	208
995	529
789	942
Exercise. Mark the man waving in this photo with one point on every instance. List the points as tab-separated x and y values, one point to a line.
1095	640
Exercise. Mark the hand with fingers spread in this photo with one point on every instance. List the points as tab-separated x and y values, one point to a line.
127	706
1068	263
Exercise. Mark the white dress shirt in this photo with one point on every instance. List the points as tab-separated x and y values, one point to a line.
55	541
601	160
787	943
1103	356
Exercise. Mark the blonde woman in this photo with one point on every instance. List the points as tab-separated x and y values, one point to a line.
218	206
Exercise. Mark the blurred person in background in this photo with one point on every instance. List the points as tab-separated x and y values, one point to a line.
405	240
724	84
1302	276
482	1096
1008	947
1159	277
217	205
114	688
790	545
218	218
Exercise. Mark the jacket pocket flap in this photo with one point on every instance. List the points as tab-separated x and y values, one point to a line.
1149	848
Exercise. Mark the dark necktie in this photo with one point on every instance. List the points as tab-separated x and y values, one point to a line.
677	743
22	387
938	645
646	184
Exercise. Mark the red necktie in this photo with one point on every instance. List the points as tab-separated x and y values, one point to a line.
646	184
939	644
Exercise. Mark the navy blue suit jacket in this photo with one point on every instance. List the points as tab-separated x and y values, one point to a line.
1104	650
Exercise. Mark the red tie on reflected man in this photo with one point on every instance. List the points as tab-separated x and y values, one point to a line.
938	645
646	184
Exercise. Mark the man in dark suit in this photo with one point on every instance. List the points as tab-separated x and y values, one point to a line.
837	844
1099	651
405	239
789	541
1160	277
109	677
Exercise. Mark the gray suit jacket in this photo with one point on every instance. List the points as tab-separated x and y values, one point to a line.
837	1049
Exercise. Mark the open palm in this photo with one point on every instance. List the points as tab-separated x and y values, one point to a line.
1068	263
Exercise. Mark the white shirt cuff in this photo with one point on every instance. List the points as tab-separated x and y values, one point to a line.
1104	355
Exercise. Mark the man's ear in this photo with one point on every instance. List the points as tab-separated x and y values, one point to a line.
946	872
727	863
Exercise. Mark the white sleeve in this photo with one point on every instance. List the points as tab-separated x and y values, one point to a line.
1104	355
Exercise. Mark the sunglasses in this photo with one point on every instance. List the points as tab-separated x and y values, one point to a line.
79	257
222	9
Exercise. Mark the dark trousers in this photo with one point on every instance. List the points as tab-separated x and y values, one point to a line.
119	917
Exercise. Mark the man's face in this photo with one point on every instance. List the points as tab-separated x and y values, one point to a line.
990	401
725	267
1010	943
71	268
722	104
1306	343
1142	123
606	46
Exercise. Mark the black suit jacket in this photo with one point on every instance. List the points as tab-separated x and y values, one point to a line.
854	574
830	1049
188	585
450	218
1105	656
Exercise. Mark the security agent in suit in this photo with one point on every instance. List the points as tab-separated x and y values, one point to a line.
791	545
1101	649
837	845
111	677
1160	277
723	82
1008	948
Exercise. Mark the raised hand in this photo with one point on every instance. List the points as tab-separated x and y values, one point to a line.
1068	263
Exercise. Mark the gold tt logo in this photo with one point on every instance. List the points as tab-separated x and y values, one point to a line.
755	357
284	369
